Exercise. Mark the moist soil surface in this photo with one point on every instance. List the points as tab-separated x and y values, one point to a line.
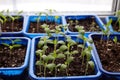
109	53
35	27
115	26
75	67
89	24
17	25
14	59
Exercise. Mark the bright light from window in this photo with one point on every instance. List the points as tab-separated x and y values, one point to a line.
59	5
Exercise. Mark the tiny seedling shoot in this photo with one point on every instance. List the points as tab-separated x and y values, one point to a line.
118	19
2	20
13	18
12	45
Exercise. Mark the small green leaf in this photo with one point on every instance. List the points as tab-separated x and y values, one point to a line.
58	65
49	41
39	52
47	30
60	55
63	66
44	57
92	65
90	41
74	52
44	26
16	17
51	66
40	43
79	27
89	48
16	45
63	47
61	42
67	53
39	63
80	46
50	57
16	40
83	53
71	42
53	30
5	44
70	59
88	55
45	47
115	39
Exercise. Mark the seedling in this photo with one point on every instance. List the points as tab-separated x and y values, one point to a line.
107	30
115	40
118	20
38	21
12	45
2	20
13	18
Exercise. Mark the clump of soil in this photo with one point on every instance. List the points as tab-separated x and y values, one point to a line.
75	68
14	59
33	26
109	53
17	25
89	24
115	26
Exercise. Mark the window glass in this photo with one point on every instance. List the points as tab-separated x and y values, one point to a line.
65	5
59	5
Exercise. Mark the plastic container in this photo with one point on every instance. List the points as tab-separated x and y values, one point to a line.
42	18
78	17
13	71
113	19
16	34
32	65
107	74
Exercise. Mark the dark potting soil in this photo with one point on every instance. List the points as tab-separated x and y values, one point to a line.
89	24
17	26
115	26
109	54
14	59
34	29
76	68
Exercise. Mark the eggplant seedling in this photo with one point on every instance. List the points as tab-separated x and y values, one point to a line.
38	21
118	19
13	18
2	20
107	30
12	45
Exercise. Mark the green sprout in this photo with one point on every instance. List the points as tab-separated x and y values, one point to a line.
38	21
13	18
107	30
115	40
12	45
2	20
118	20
